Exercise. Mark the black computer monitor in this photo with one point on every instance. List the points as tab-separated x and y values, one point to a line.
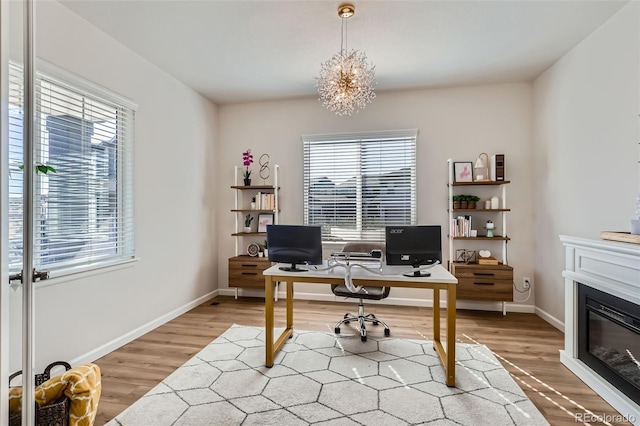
294	244
414	245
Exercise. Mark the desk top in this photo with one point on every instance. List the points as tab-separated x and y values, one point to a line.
388	273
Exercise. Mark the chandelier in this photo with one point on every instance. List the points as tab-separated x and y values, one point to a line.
346	80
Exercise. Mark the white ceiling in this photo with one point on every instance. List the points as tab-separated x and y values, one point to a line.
239	51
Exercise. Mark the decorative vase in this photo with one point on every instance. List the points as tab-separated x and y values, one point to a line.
247	182
266	252
253	205
247	229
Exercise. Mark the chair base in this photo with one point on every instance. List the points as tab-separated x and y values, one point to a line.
361	318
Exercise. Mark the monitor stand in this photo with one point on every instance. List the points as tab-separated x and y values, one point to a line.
417	273
292	268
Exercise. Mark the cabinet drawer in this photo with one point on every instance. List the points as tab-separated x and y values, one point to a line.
246	271
491	272
485	289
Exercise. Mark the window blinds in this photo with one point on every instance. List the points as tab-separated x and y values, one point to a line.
83	211
356	184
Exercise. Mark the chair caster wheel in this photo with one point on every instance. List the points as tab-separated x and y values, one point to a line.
337	330
363	338
387	332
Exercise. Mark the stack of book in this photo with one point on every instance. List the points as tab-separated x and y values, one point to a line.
461	226
265	201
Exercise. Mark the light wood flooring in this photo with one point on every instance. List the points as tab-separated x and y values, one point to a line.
526	345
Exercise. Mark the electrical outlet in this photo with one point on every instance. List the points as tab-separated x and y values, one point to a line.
526	283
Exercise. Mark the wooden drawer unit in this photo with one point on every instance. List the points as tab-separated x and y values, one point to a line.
483	282
246	271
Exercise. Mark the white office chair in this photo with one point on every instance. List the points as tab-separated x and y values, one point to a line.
371	293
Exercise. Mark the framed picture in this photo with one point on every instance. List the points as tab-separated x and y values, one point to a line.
463	172
264	219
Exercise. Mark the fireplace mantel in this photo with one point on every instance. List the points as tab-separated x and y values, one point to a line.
613	268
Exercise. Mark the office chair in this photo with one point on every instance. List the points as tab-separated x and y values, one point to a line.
371	293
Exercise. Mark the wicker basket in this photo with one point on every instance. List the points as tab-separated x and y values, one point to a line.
56	414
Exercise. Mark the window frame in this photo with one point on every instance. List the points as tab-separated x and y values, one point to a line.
124	244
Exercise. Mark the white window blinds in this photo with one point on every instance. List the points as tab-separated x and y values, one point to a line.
356	184
83	211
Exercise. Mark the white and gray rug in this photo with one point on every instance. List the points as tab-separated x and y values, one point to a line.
332	380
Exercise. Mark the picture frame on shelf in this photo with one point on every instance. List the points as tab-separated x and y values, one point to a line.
463	171
264	219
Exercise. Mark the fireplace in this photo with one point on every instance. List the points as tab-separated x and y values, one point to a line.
609	338
602	320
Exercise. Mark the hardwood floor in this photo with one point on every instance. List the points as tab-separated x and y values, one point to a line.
525	344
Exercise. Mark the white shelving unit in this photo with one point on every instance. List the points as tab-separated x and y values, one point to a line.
498	287
244	270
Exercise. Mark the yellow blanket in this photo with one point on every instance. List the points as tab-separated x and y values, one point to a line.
81	384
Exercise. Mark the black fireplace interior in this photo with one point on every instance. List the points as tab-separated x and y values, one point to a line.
609	338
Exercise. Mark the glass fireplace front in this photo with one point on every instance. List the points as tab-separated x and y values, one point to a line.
609	338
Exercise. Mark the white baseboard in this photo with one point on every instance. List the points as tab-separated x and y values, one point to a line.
143	329
550	319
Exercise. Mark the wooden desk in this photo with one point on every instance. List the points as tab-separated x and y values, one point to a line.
440	279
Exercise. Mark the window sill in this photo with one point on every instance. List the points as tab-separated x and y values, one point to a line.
72	274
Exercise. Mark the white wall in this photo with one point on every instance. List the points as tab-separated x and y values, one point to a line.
456	123
585	148
175	200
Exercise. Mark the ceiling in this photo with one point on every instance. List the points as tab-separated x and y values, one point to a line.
241	51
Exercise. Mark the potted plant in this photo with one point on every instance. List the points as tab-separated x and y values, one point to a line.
247	159
266	248
472	200
464	201
253	202
456	201
247	223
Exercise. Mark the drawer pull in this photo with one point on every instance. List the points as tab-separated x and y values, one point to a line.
249	265
249	273
476	283
484	274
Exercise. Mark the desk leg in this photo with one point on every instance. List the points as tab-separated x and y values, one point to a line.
290	306
436	314
268	321
451	335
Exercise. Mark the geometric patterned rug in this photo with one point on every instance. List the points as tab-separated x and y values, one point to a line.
332	380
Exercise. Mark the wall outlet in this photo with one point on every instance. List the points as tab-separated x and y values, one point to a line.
526	283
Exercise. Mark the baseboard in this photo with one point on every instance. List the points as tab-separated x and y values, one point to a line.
550	319
143	329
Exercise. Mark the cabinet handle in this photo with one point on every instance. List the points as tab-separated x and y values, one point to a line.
475	283
249	273
248	265
484	274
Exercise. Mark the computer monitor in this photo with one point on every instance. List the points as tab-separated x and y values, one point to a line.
414	245
294	244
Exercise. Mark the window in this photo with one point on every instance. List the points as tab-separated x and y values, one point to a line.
83	211
356	184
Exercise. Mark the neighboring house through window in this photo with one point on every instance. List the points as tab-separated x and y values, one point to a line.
83	211
356	184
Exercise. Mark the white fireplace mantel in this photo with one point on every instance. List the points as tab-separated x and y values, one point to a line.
610	267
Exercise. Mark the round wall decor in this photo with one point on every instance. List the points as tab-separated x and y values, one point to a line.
253	249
